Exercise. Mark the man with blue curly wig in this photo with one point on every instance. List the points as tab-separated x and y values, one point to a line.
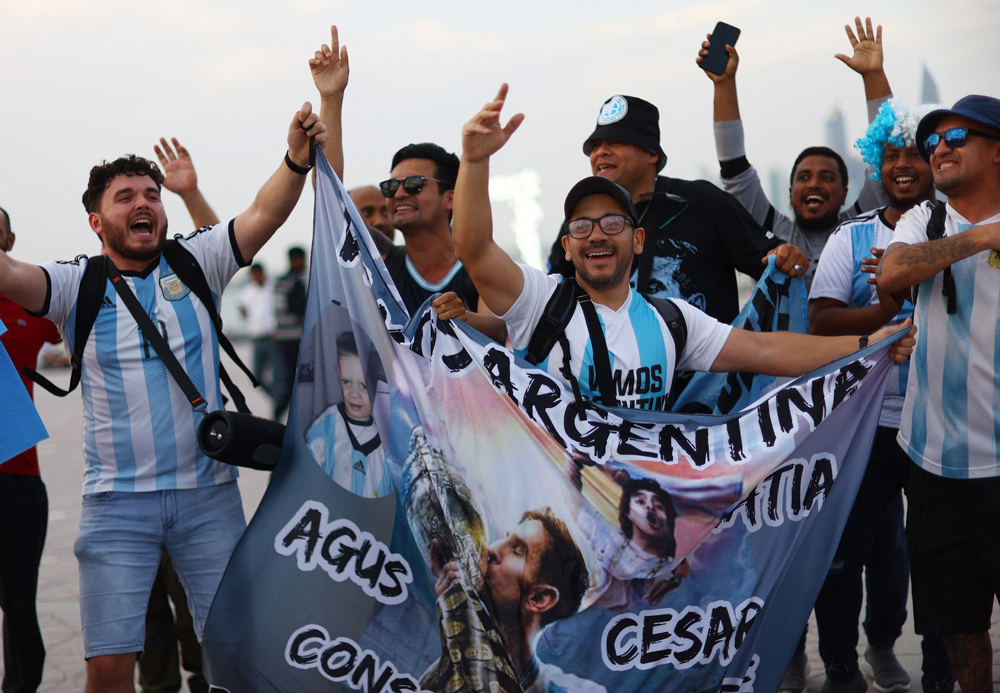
843	300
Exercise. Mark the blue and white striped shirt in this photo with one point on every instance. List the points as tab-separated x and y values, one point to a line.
139	429
839	277
951	415
642	354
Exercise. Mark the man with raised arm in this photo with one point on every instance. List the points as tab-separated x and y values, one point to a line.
843	300
146	486
950	417
818	186
418	197
603	236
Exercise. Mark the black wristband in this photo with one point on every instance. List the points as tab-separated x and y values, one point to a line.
295	168
863	341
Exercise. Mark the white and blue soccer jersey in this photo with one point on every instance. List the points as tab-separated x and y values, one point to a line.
642	354
839	276
139	428
350	452
951	415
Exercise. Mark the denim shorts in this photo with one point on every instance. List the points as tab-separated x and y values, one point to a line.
122	537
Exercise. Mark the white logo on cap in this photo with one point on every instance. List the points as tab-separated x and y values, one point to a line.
613	111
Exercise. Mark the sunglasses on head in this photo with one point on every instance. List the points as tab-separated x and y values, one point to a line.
611	225
411	184
954	138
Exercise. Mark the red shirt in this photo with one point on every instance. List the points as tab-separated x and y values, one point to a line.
23	340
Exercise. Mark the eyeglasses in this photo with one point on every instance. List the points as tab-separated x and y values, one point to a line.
954	138
611	225
411	184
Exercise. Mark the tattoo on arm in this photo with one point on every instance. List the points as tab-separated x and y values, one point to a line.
950	249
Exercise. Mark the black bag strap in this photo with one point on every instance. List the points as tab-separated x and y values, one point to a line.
674	319
88	303
599	346
184	264
935	230
155	339
555	317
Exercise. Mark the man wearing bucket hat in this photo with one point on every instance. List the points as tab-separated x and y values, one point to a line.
950	415
697	234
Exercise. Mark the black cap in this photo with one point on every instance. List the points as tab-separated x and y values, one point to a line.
629	119
985	110
595	185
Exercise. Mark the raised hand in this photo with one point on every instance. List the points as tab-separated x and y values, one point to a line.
867	46
330	68
483	136
178	169
731	65
304	125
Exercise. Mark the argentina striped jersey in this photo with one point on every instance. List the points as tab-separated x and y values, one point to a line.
642	354
139	429
839	276
951	415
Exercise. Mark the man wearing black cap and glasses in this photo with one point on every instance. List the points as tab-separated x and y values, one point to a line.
950	419
697	234
603	237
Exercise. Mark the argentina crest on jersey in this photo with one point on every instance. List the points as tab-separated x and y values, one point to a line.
172	287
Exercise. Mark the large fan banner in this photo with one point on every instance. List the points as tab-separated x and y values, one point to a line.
447	518
22	427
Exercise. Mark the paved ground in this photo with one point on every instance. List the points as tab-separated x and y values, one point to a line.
58	592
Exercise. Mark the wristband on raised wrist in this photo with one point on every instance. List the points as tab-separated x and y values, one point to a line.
295	168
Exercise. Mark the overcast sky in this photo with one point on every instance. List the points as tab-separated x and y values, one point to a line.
85	81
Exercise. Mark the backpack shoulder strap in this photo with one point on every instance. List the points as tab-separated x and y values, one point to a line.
671	315
935	230
184	264
556	316
88	302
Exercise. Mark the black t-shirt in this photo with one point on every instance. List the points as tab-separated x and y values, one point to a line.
696	236
414	289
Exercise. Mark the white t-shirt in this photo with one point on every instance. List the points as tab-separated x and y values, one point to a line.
257	300
642	354
839	277
951	415
139	428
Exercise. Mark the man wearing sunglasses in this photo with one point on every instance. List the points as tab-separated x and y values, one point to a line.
418	200
603	236
950	414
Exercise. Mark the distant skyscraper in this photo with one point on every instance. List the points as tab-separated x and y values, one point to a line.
929	93
835	138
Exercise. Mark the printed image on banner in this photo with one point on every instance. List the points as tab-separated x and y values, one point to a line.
446	517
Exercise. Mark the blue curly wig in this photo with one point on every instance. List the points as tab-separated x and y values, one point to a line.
896	123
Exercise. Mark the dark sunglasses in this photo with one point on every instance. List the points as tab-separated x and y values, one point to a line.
611	225
954	138
411	184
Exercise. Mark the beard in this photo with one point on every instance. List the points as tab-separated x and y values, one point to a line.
823	223
116	238
620	273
